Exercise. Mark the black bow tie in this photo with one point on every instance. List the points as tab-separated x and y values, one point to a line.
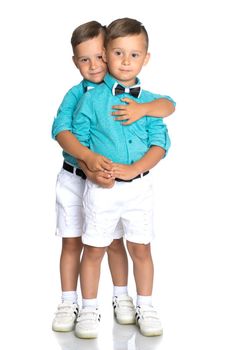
134	91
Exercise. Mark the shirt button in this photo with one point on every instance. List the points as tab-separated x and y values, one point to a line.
130	141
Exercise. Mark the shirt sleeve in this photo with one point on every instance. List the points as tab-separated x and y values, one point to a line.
63	119
82	120
158	133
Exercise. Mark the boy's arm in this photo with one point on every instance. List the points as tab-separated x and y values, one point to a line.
71	145
147	162
63	119
132	111
81	124
61	131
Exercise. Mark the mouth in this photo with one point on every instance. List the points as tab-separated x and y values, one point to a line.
97	73
125	70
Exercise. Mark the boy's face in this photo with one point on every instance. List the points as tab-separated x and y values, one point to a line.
88	59
125	57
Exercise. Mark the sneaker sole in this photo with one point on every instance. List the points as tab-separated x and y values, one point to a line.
152	334
125	321
63	329
86	335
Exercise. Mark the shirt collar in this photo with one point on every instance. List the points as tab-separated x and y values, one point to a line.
110	81
88	85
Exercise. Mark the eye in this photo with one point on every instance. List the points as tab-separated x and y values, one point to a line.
84	60
117	53
100	57
135	55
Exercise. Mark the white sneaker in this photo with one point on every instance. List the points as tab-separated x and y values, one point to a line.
87	324
148	321
65	317
124	309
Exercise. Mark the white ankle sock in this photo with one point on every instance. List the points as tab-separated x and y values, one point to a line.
89	303
144	300
120	290
70	296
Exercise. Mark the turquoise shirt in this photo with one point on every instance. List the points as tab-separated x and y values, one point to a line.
64	117
96	128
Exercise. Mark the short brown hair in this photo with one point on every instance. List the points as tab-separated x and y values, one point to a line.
87	31
123	27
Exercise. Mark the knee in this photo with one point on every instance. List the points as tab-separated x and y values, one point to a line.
139	252
72	245
116	246
94	253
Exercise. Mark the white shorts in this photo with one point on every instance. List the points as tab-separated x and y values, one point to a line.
130	202
69	206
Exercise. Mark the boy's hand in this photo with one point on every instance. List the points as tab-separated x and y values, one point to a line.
130	112
102	179
96	162
124	171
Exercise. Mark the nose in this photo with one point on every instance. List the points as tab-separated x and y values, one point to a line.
93	64
126	60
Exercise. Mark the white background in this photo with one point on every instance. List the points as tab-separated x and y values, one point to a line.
191	60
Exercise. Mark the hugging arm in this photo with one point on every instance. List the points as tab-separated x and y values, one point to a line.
71	145
131	111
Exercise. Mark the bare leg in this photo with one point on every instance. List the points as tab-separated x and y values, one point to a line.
118	262
70	263
90	271
142	266
65	316
123	306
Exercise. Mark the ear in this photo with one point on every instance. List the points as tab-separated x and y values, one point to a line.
104	56
146	60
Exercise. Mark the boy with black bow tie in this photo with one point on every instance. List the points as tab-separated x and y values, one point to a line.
134	149
88	43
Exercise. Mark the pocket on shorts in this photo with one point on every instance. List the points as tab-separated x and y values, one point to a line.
64	177
69	189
